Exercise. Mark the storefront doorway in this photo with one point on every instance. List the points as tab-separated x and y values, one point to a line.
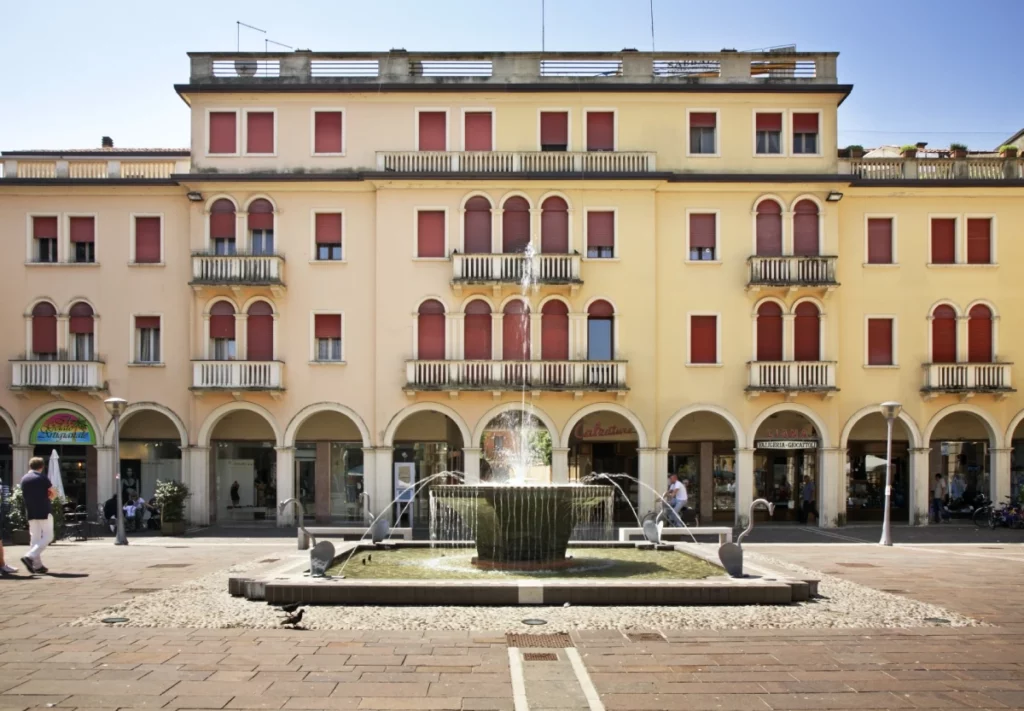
960	451
426	443
865	470
74	440
786	448
329	469
245	469
605	442
702	453
515	446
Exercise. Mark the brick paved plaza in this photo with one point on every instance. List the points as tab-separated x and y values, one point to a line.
45	664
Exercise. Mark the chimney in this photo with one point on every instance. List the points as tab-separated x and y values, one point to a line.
107	142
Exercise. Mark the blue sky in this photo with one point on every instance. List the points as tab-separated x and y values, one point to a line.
928	70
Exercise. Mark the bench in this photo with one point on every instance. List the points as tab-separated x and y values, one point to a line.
351	533
724	533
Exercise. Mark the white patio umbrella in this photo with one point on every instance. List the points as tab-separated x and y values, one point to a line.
53	474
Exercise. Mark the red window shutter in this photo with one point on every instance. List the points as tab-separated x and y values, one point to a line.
880	240
805	229
328	228
327	129
805	123
433	131
979	240
554	128
83	229
147	322
261	215
600	309
515	226
554	226
768	122
81	318
600	131
702	120
703	339
806	333
477	226
979	335
600	229
431	336
327	325
147	240
769	229
478	131
943	240
223	125
769	332
222	220
222	320
554	326
943	335
478	331
259	132
880	341
516	332
44	333
702	231
259	332
430	233
44	227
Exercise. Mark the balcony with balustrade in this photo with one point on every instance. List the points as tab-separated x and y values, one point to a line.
516	162
497	270
93	167
237	270
498	376
58	376
791	378
792	272
237	376
936	168
967	379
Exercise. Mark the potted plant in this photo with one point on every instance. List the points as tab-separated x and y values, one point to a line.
958	150
170	497
908	151
1007	151
855	151
18	523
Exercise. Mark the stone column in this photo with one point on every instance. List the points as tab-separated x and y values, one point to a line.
104	473
285	484
706	472
788	333
242	336
198	483
920	483
999	473
19	461
648	457
535	335
458	334
471	464
559	465
535	224
577	336
744	485
497	348
496	229
829	489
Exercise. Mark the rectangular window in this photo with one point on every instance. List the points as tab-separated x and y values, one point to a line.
327	132
702	237
704	339
600	131
223	127
768	129
223	348
147	240
82	346
880	341
943	240
433	131
147	339
430	234
44	233
554	130
979	240
478	130
224	246
880	240
600	234
328	236
327	332
702	133
805	133
83	239
599	339
262	242
259	132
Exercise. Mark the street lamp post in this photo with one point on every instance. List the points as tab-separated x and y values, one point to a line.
116	407
890	410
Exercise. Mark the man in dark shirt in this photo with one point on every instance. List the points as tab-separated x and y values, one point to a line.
37	492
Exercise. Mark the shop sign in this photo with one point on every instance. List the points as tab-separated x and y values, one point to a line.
591	429
62	427
786	444
789	433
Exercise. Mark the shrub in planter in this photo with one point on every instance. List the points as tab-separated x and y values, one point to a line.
1007	151
958	150
17	522
855	151
170	497
908	151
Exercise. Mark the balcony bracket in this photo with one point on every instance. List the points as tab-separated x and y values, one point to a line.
238	395
828	394
793	288
453	394
198	289
457	288
276	394
411	394
965	396
574	289
1002	395
535	394
496	394
791	395
753	288
56	394
577	395
752	394
236	289
828	290
277	290
496	290
620	394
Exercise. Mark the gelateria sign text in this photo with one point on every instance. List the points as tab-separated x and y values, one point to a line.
62	427
604	427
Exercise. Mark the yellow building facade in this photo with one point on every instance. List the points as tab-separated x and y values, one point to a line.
368	269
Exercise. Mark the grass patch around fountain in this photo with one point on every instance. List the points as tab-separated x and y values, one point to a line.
455	564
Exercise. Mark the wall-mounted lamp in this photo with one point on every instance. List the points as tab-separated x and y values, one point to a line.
195	196
834	196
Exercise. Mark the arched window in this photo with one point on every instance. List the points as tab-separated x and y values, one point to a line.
259	332
600	331
805	229
222	331
769	332
554	331
477	327
261	227
554	226
807	333
430	337
516	331
515	226
769	229
979	334
44	332
944	334
477	226
81	327
222	226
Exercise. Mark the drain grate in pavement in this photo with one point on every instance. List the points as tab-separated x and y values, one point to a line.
856	565
540	657
646	637
169	565
559	640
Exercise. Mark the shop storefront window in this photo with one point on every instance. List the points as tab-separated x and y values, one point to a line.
724	471
1017	471
865	480
347	481
246	481
779	476
305	477
965	466
144	463
687	468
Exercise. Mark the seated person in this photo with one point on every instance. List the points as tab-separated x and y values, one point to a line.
110	511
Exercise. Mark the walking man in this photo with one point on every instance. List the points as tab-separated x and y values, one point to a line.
37	491
807	504
938	497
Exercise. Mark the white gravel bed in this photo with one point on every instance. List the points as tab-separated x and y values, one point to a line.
205	603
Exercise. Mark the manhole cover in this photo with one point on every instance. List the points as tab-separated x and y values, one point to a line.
645	637
856	565
540	657
141	591
270	560
937	620
113	620
169	565
559	640
535	621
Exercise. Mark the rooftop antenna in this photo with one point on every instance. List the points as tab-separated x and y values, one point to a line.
238	33
652	26
267	42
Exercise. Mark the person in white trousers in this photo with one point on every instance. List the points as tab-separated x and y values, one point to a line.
37	491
